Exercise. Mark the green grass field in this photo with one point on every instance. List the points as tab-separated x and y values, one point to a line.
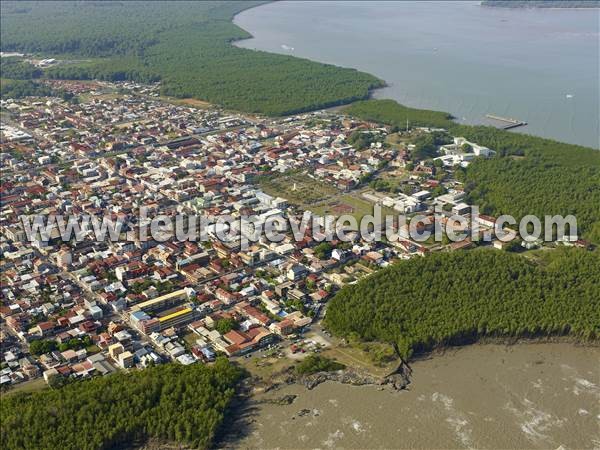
27	386
298	188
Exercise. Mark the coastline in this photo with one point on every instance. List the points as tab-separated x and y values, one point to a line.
401	377
475	392
506	342
382	83
377	94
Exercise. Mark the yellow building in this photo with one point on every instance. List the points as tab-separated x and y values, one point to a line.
177	318
115	350
162	302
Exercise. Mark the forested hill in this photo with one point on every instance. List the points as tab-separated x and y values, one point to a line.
171	402
542	3
187	45
530	175
454	298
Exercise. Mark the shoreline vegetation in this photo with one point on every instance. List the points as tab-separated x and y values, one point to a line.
171	402
529	175
187	46
549	177
398	378
453	299
557	301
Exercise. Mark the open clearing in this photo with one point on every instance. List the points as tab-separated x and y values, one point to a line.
298	188
27	386
317	196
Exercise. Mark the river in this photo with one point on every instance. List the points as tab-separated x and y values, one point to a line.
534	396
540	65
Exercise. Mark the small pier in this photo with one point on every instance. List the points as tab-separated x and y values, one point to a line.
507	122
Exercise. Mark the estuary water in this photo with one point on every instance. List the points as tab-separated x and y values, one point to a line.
540	66
527	396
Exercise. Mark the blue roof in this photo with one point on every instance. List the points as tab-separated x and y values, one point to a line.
140	315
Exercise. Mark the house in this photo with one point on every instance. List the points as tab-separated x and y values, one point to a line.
319	296
282	328
45	328
243	342
461	208
499	245
421	195
282	289
340	255
486	221
296	272
115	350
126	359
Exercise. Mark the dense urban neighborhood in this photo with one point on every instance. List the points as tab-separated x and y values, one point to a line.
85	308
293	225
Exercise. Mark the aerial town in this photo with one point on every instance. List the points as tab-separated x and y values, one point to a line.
85	308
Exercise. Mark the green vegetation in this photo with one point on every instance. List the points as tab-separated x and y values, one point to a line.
393	113
363	139
37	384
16	68
551	178
224	326
379	353
23	88
169	402
540	186
317	363
44	346
323	250
381	185
297	187
40	347
455	298
162	287
426	145
187	45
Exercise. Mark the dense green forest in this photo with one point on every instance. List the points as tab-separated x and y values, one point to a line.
23	88
530	175
171	402
454	298
187	45
17	69
393	113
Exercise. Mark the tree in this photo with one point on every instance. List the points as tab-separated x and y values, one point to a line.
168	402
185	45
40	347
430	302
323	250
317	363
225	325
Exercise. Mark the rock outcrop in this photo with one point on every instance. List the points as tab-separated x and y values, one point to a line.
397	380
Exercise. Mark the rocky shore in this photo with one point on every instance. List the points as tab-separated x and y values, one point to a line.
397	380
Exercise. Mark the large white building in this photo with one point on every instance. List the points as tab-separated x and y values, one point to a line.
455	153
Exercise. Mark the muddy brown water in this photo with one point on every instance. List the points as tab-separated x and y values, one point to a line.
538	396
